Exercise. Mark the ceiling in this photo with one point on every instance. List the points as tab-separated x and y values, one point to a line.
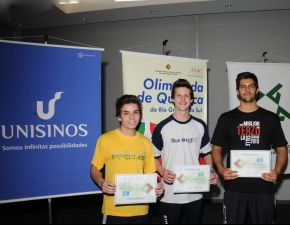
36	14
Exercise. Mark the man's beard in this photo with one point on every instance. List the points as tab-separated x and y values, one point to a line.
248	100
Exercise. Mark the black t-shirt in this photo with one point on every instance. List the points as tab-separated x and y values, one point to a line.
258	130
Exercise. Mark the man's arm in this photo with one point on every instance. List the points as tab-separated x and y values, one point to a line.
96	176
226	173
214	178
281	159
167	175
159	167
106	186
217	158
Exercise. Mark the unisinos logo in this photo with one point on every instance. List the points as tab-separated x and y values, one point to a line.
51	107
168	67
45	130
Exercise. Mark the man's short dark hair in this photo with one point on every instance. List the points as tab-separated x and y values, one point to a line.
128	99
181	83
246	75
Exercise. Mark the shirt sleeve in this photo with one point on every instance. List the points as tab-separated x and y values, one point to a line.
219	135
278	137
205	146
150	166
99	157
157	141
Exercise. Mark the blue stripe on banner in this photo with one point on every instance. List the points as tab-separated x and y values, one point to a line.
50	119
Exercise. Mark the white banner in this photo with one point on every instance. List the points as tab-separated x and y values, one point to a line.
151	77
274	84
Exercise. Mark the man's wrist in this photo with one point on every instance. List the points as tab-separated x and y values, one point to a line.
101	183
161	173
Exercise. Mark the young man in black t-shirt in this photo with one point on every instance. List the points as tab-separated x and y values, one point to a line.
248	127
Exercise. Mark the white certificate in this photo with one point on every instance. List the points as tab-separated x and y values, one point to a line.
194	178
135	188
251	163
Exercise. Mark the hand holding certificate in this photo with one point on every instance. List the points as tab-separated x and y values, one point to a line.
250	163
193	178
135	188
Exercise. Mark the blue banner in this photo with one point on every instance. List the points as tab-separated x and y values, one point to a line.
50	119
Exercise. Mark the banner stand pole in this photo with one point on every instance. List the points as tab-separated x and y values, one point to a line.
49	200
49	211
164	44
264	57
45	39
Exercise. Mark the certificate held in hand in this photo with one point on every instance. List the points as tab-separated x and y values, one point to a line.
135	188
251	163
191	178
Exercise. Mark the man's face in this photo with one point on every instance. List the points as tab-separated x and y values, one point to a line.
129	117
182	98
247	90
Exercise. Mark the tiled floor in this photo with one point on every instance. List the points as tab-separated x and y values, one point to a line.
86	209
